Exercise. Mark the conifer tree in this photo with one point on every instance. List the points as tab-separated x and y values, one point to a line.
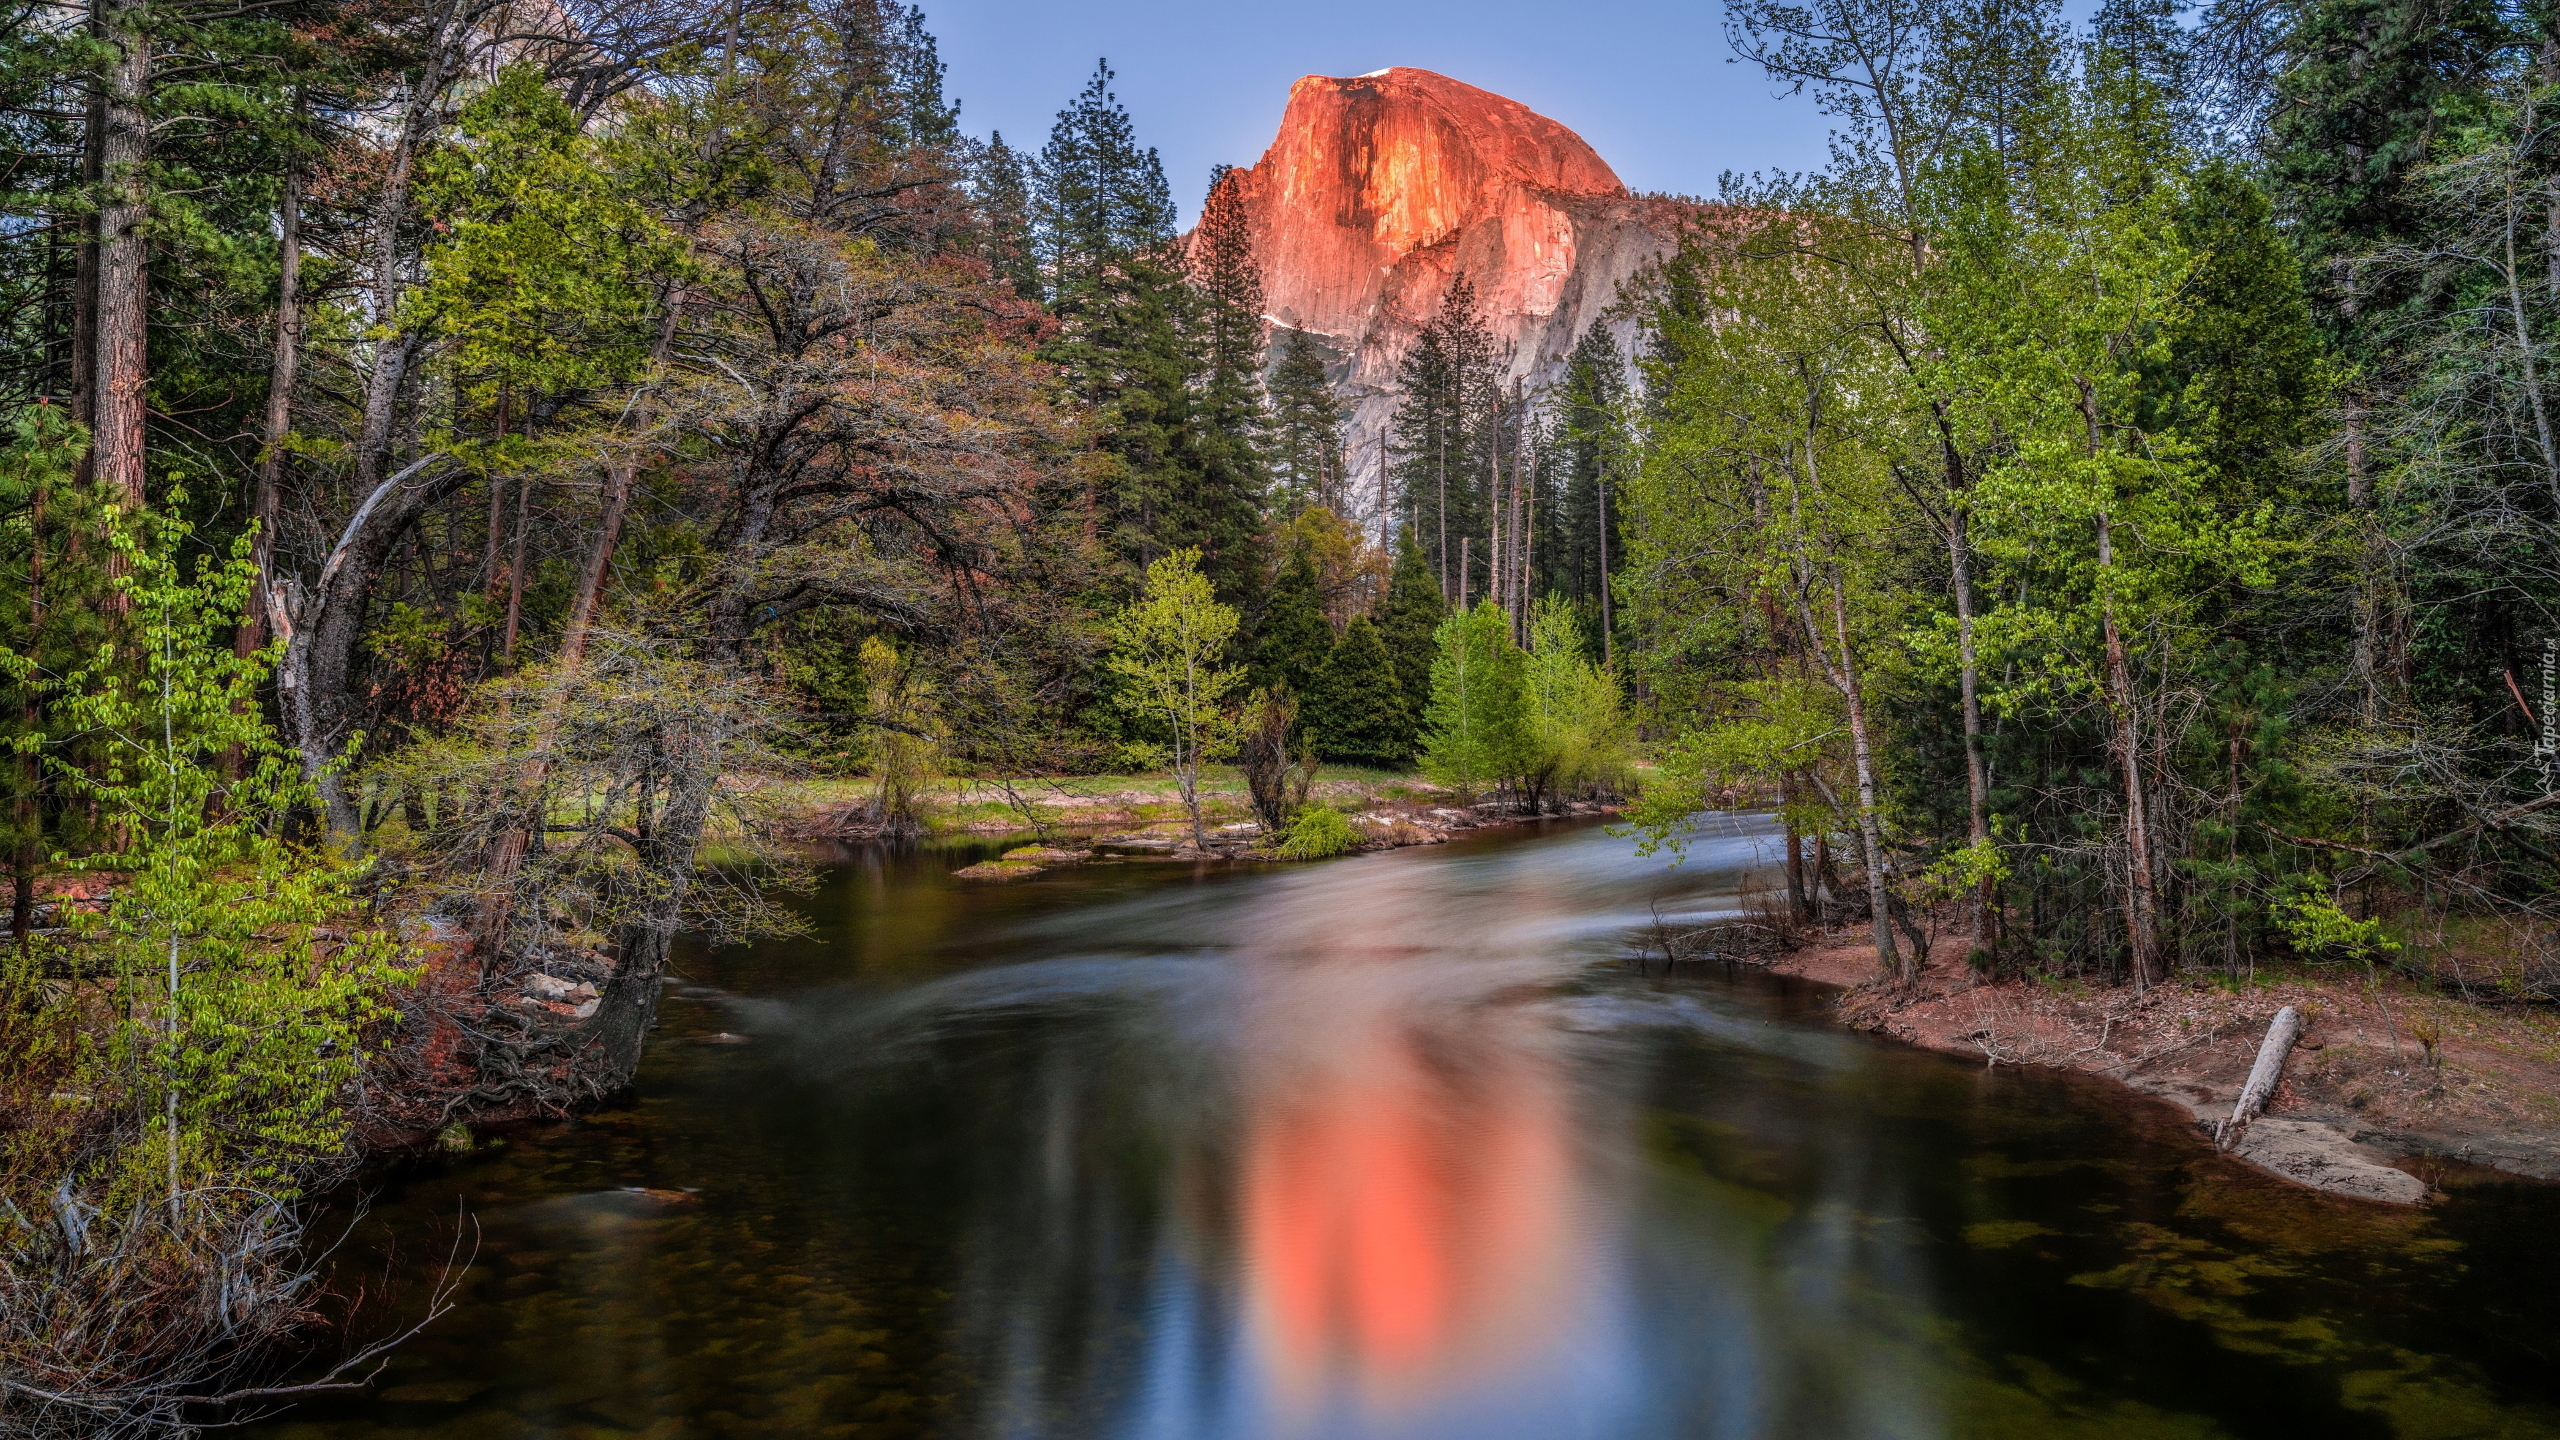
1444	435
1357	710
1003	186
1230	322
1127	346
1294	638
1588	441
1305	447
1410	619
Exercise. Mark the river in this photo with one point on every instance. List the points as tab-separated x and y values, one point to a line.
1396	1147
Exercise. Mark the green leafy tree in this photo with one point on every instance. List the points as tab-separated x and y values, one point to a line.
250	987
1476	728
1165	649
1579	737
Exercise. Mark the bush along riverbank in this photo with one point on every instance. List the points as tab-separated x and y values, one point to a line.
2392	1090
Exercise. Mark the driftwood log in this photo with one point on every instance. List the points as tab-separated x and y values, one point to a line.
2281	1033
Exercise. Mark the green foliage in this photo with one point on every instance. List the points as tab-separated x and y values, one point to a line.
1165	651
903	746
1447	438
1579	737
2316	927
1476	733
544	268
252	982
1318	832
1357	709
1305	444
1294	640
1409	624
1128	348
264	1018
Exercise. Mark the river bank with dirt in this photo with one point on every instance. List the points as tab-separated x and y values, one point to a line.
2391	1095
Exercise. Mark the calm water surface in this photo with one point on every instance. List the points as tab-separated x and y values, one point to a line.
1399	1146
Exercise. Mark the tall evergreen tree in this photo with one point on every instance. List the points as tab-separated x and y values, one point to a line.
1409	619
1229	280
1002	184
1445	437
1127	346
1305	447
1293	641
1589	440
2372	85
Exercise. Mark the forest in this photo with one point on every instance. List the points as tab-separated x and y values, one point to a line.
455	446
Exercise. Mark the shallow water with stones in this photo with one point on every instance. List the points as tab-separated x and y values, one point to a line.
1402	1146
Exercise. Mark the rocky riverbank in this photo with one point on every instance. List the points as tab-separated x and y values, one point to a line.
1384	823
2388	1096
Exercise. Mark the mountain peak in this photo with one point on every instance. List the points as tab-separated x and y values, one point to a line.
1380	187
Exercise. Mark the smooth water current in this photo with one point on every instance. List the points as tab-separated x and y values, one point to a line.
1400	1146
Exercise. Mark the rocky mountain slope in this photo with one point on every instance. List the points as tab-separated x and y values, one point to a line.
1379	187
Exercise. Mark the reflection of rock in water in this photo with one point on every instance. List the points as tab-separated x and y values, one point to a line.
1406	1173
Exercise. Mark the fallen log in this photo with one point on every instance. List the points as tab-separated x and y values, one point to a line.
2281	1033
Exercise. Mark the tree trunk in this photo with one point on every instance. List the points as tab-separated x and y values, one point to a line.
515	570
421	118
621	1023
1870	834
28	807
2264	1075
2366	650
1799	904
1608	622
1977	775
279	419
327	629
2141	912
123	275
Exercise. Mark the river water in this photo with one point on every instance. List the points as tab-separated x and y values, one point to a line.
1403	1146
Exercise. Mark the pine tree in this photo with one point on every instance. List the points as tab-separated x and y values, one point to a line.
1294	639
1408	622
923	119
1127	347
1589	439
1229	280
1445	436
1002	183
1357	710
1306	429
2377	81
1222	512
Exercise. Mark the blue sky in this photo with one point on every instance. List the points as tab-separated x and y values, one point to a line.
1651	85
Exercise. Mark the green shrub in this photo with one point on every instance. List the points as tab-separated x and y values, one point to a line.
1318	834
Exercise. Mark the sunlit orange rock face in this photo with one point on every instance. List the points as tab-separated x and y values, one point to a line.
1381	186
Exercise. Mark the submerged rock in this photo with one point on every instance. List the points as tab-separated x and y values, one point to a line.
1000	870
2326	1158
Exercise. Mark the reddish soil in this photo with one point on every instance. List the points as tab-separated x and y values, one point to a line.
2423	1079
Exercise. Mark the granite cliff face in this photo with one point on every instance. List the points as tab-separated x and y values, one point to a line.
1379	187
